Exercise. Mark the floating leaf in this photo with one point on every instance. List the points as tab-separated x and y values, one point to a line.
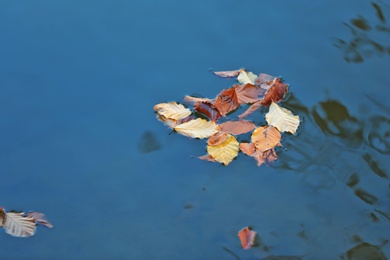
265	137
275	93
267	157
264	81
17	225
197	128
251	109
1	217
172	110
237	127
226	101
227	74
282	119
207	157
247	148
247	237
248	93
217	138
224	152
193	100
246	77
40	219
208	110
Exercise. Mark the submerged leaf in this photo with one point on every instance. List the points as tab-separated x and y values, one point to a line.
247	237
265	137
246	77
226	101
237	127
197	128
267	157
282	119
172	110
224	152
19	226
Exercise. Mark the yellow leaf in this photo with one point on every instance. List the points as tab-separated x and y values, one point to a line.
226	151
282	118
246	77
197	128
265	138
172	110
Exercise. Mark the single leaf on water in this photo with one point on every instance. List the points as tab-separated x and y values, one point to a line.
247	237
172	110
227	74
19	226
226	101
226	151
275	93
248	93
237	127
265	137
246	77
208	110
282	119
197	128
40	219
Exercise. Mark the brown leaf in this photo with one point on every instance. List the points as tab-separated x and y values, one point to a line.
275	93
208	110
217	138
207	157
247	237
193	100
1	217
227	74
40	219
247	148
226	101
265	138
237	127
248	93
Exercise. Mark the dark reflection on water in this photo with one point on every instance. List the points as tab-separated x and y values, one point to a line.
369	37
148	143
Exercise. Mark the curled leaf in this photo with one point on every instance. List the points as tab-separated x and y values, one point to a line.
208	110
247	237
282	119
18	225
207	157
40	219
172	110
237	127
226	151
197	128
226	101
265	137
227	74
246	77
275	93
193	100
218	138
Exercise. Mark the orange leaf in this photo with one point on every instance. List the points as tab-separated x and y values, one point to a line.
237	127
247	237
265	137
275	93
248	93
207	157
247	148
217	138
226	101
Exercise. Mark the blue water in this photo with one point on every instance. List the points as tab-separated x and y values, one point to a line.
80	141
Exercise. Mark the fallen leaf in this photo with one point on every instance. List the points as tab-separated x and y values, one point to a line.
264	81
17	225
40	219
207	157
247	237
247	148
282	119
197	128
1	217
248	93
226	101
267	157
226	151
275	93
227	74
172	110
217	138
265	137
193	100
246	77
208	110
237	127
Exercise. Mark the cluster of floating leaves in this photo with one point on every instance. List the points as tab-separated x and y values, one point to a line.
20	224
222	146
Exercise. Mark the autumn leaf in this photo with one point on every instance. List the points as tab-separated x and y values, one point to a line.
267	157
1	217
275	93
247	237
246	77
264	81
197	128
224	152
226	101
217	138
40	219
208	110
193	100
248	93
172	110
227	74
265	137
18	225
237	127
282	118
207	157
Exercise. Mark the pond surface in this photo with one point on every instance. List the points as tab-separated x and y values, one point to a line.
80	141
